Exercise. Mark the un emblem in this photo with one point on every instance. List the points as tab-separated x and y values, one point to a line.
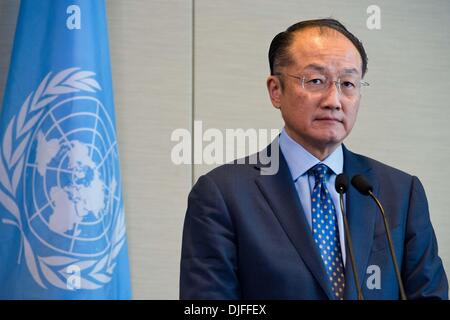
69	208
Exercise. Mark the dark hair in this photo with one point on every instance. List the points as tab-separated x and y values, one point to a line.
278	51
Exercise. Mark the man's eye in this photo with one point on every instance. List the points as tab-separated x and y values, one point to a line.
315	81
348	84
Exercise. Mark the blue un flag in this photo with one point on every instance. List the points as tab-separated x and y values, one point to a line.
62	225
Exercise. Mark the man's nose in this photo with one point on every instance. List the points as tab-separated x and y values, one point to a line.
332	96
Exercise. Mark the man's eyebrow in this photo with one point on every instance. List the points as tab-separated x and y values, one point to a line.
319	68
351	70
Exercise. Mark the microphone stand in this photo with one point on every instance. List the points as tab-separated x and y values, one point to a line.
350	246
391	246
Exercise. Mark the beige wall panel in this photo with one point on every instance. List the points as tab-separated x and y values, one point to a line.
151	58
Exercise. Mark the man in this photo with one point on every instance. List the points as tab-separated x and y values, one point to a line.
253	236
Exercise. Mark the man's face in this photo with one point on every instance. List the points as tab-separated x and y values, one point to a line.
319	121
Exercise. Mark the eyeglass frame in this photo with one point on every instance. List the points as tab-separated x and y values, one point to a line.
336	82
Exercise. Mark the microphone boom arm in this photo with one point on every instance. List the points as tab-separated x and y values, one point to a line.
350	248
391	246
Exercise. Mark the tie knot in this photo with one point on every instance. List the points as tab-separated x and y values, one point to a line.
320	172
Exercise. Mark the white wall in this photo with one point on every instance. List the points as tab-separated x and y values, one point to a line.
403	119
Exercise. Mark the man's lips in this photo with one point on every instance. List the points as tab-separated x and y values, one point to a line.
328	119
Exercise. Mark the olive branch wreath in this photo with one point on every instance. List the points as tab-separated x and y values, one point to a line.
18	133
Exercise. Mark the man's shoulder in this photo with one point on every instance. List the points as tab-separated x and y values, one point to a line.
263	162
230	181
238	168
379	168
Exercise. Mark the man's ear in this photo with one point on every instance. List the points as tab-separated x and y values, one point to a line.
275	90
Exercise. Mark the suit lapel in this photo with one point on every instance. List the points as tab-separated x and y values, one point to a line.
361	214
279	191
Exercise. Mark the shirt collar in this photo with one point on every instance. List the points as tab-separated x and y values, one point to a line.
299	160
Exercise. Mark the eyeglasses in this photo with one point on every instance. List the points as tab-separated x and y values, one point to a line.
348	86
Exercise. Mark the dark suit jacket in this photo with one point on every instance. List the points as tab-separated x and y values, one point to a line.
246	237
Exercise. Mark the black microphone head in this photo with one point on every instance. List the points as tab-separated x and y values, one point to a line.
341	183
362	184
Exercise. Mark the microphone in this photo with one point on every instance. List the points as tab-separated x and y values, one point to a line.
341	185
364	187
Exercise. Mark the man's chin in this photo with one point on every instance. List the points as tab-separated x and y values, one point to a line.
321	139
332	137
